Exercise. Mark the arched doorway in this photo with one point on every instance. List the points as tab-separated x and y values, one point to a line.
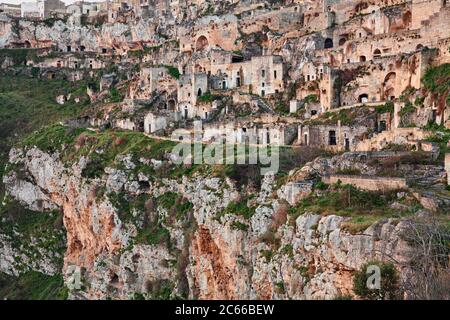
202	43
328	43
389	86
363	98
171	104
407	18
377	53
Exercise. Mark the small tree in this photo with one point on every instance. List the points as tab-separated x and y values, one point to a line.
429	275
389	282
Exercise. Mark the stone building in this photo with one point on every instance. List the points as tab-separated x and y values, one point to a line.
262	75
209	32
190	88
47	8
248	132
72	61
29	10
331	137
10	9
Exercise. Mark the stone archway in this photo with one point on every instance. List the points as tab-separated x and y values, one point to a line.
363	98
328	43
201	44
389	86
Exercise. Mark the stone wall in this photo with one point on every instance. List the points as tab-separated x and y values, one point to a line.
447	167
367	182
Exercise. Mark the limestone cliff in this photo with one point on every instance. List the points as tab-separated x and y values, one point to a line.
207	252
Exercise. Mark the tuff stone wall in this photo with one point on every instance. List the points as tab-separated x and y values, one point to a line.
368	183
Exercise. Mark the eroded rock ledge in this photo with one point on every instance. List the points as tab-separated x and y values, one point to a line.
204	254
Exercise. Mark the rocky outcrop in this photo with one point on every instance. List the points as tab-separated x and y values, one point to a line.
208	254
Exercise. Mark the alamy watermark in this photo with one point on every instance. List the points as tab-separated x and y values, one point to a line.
373	277
225	148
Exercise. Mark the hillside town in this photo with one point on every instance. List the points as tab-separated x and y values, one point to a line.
367	82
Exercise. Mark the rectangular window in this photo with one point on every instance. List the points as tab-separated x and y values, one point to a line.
275	74
332	138
263	73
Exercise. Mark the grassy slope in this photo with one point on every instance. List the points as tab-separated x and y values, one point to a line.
32	286
27	104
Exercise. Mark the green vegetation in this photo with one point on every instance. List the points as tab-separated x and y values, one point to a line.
154	235
407	110
239	208
27	104
160	289
52	138
441	136
346	116
282	108
28	231
135	53
349	171
101	147
389	282
437	81
32	286
363	207
19	56
267	255
115	95
126	204
312	98
175	204
288	250
385	108
239	226
173	71
208	97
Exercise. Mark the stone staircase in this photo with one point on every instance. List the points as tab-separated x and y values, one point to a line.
434	16
263	105
426	176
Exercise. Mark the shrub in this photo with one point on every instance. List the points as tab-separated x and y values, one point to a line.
387	107
174	72
312	98
239	226
115	95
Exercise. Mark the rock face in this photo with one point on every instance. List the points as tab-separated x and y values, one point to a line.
206	255
63	34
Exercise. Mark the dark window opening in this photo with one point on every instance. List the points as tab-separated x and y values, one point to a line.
347	144
363	98
332	138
